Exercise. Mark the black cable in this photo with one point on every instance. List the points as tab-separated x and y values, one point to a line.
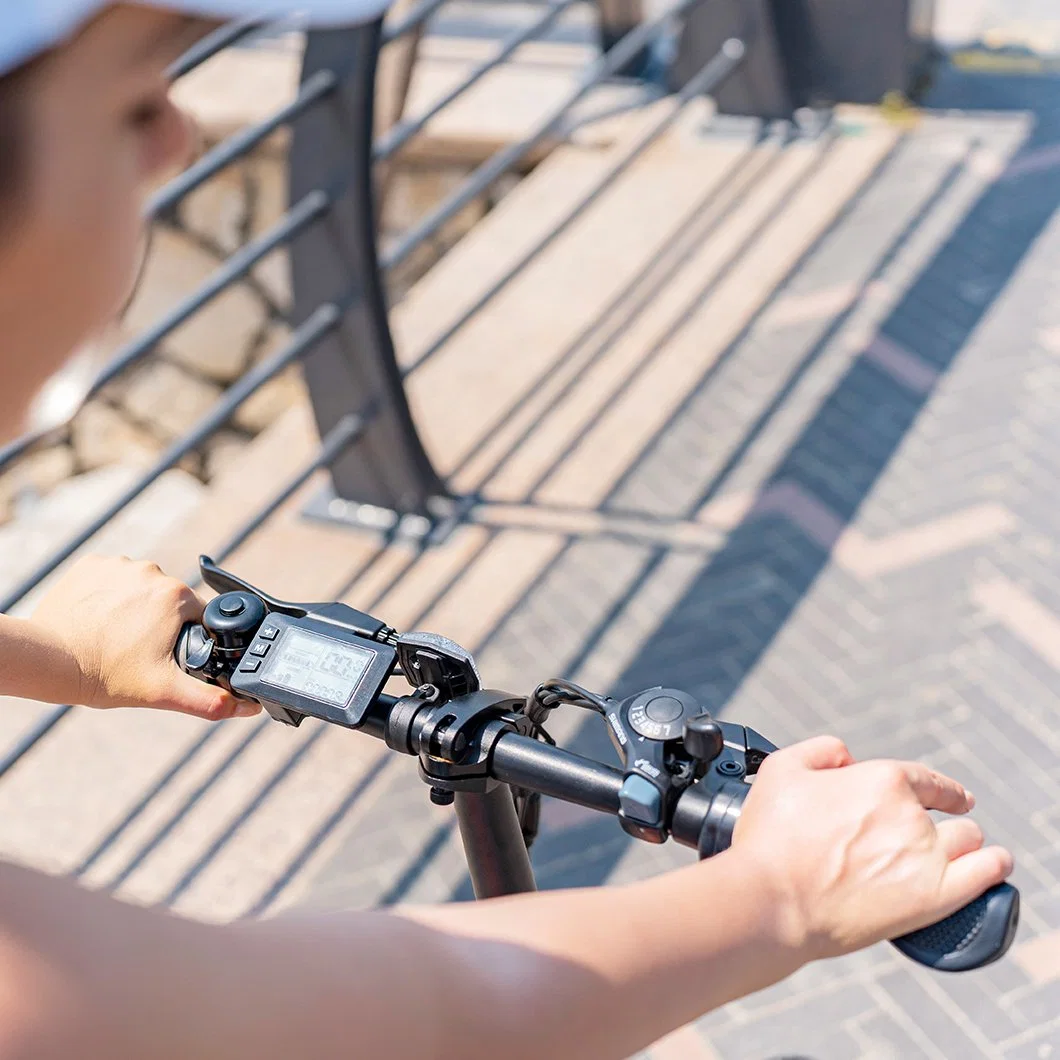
554	693
550	694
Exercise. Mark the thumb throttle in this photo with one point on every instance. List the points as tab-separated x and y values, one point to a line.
194	650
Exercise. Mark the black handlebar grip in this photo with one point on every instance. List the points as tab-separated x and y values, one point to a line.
973	937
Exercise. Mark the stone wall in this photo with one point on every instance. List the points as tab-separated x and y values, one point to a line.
153	404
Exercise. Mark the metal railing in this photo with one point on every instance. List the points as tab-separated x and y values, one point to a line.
391	475
380	473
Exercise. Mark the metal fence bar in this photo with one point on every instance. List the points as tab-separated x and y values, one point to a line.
240	144
400	134
494	168
324	320
303	214
344	434
211	44
715	70
26	443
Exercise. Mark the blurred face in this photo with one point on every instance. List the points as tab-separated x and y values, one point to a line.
99	130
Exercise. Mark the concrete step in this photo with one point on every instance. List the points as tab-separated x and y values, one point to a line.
583	357
242	86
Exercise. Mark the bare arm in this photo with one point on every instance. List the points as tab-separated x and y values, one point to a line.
35	664
585	974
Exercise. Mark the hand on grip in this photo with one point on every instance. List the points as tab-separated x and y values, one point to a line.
895	864
973	937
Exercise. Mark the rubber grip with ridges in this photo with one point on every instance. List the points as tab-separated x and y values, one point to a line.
973	937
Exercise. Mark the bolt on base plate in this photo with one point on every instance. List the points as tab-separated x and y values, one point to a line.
426	529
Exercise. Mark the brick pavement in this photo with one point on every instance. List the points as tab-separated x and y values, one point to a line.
878	449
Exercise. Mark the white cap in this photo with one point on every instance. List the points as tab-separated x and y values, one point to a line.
28	27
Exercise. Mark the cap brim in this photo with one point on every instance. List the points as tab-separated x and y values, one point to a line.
28	28
309	12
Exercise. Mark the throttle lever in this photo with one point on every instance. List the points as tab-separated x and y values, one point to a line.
193	649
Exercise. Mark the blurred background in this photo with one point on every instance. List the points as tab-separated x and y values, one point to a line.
714	345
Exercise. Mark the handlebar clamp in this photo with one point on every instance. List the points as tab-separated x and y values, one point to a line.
454	739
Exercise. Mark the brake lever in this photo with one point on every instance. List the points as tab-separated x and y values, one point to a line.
222	581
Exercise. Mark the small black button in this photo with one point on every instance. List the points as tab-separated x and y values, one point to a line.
232	607
269	632
261	650
251	666
663	709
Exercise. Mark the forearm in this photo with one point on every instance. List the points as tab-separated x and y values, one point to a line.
601	973
586	974
35	664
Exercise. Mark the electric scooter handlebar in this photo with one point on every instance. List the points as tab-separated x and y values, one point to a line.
684	774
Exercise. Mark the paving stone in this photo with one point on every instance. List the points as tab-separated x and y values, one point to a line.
953	1033
772	1038
982	994
885	1037
1044	1044
1039	1004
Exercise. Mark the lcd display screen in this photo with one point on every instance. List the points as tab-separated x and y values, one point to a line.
317	667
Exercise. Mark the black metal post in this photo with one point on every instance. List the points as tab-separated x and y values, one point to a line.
497	859
334	261
617	18
760	88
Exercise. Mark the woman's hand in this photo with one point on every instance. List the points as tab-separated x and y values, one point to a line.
850	851
113	624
